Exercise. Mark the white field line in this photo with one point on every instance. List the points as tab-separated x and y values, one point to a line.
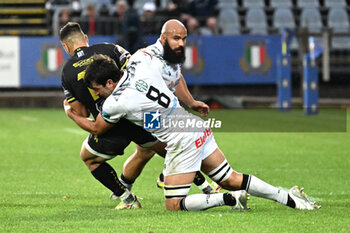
31	119
75	131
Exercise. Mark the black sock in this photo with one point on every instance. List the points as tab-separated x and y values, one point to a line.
182	204
229	199
290	202
199	179
245	182
126	180
109	178
161	177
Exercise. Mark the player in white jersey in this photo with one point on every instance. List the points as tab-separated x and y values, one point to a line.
168	54
142	92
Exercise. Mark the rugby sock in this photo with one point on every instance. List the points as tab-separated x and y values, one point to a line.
126	182
206	201
199	179
259	188
161	177
202	183
109	178
127	197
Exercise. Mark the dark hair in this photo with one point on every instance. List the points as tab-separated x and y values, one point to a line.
69	29
100	70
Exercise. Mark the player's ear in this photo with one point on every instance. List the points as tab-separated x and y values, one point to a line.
86	39
66	48
109	82
162	38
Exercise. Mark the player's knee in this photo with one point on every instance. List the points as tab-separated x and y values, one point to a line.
234	181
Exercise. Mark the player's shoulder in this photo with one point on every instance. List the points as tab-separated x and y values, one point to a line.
102	47
67	68
113	103
142	55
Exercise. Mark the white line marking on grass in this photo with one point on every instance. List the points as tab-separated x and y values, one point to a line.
75	131
31	119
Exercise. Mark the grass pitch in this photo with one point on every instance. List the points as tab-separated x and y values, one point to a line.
44	187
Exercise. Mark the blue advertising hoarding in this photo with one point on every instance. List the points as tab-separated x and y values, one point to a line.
42	59
213	60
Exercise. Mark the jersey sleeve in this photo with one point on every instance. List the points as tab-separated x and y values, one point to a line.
112	111
120	55
68	92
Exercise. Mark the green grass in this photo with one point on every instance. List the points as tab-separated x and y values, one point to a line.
44	186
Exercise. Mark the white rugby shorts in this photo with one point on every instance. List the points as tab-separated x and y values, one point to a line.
187	154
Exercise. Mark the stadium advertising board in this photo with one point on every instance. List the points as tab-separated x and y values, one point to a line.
42	60
9	62
211	60
231	59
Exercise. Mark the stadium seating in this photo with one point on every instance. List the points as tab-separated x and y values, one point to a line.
228	22
283	18
23	17
335	3
253	3
224	4
308	3
338	21
281	3
256	21
311	19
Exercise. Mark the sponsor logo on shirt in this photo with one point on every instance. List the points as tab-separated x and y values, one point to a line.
80	53
201	140
141	86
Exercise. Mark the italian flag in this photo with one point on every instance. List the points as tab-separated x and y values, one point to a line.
255	55
52	58
191	57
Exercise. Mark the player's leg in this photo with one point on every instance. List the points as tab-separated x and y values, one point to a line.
199	181
134	165
218	169
202	183
103	172
177	187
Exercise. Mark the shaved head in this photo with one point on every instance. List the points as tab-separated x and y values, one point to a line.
173	26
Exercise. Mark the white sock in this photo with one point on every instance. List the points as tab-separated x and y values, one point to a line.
127	197
262	189
204	185
202	201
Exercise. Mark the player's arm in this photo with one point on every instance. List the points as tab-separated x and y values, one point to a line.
97	127
185	96
75	105
79	108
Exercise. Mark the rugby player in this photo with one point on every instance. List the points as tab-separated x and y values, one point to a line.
187	152
97	150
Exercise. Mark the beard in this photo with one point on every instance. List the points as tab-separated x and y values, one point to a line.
172	55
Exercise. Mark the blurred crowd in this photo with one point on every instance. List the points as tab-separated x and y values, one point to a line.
131	17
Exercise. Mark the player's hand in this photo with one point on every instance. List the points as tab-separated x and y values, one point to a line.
200	107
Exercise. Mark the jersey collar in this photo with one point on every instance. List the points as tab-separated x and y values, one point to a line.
79	52
159	46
